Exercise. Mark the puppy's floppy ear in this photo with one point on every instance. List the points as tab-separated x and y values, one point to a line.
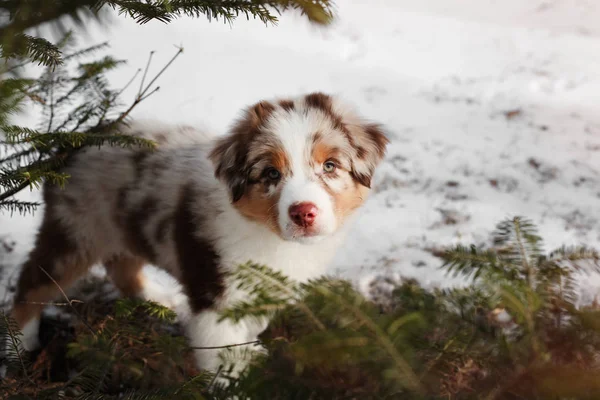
230	153
369	142
229	160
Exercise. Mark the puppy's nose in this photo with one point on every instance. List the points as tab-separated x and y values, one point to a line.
303	214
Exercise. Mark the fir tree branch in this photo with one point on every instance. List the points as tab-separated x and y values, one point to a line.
23	207
12	334
86	51
12	191
36	49
406	372
264	275
317	11
529	272
32	13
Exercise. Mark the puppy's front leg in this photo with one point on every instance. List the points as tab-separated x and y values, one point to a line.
204	330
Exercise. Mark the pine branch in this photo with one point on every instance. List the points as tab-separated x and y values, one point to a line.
22	207
576	254
318	11
12	93
404	372
74	140
125	308
518	243
32	175
521	233
266	288
9	331
52	144
473	262
27	14
25	155
37	50
11	191
86	51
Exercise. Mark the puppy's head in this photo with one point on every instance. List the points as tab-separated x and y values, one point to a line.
299	166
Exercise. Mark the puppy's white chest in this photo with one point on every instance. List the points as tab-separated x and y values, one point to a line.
246	241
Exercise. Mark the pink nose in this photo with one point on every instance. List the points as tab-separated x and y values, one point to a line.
303	214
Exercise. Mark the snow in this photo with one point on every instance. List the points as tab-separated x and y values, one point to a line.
491	107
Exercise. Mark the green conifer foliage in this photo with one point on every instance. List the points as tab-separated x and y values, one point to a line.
76	100
513	331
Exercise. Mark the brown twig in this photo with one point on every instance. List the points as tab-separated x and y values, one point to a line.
226	346
142	94
69	301
145	73
41	303
214	379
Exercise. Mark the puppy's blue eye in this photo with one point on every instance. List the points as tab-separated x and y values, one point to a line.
273	174
329	166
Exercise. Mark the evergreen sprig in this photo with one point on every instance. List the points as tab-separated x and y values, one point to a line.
16	358
502	336
80	108
25	14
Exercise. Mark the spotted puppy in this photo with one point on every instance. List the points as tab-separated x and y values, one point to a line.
278	190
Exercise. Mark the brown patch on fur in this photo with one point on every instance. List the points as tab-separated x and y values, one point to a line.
257	203
261	112
160	139
258	206
322	152
348	200
368	140
324	102
352	196
58	255
71	201
361	152
157	167
370	145
198	260
279	160
287	105
135	220
162	228
377	137
363	179
317	137
125	272
138	158
230	155
121	203
320	101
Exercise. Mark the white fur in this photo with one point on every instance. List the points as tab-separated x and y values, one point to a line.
300	189
29	340
294	131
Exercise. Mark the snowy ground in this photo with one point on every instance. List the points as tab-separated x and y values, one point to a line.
492	108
